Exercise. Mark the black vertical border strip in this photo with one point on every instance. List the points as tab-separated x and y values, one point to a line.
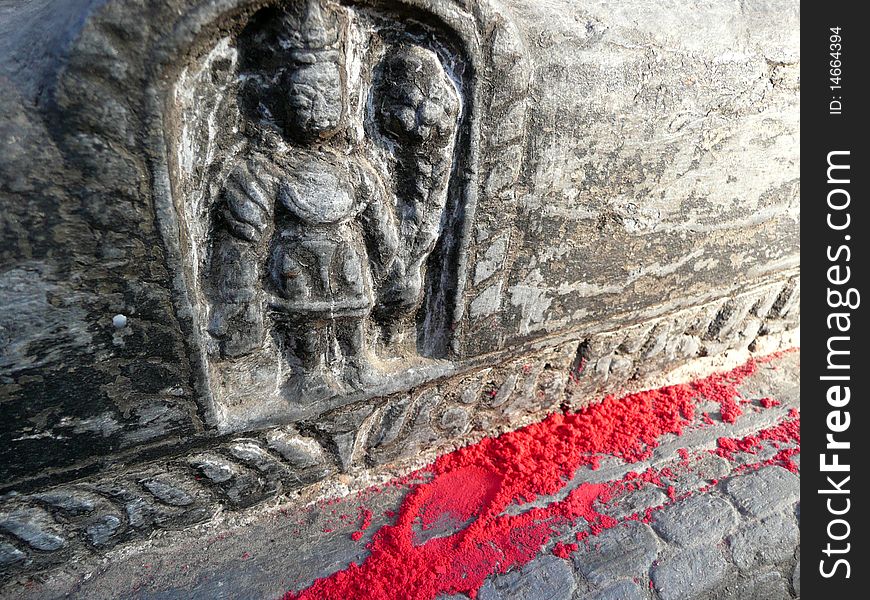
822	133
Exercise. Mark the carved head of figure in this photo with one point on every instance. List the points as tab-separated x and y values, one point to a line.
311	101
418	104
300	54
310	94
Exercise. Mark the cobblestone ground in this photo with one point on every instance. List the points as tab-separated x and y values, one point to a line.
718	525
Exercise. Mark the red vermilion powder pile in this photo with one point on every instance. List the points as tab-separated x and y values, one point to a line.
366	515
473	486
786	432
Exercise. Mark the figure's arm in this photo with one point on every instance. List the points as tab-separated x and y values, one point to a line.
241	231
379	224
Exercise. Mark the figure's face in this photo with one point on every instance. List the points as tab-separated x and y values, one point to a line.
312	100
419	105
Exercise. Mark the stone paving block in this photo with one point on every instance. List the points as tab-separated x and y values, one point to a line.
761	586
690	573
545	578
767	490
765	542
696	520
622	590
624	551
636	501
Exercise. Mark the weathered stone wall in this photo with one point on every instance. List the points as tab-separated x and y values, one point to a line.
614	193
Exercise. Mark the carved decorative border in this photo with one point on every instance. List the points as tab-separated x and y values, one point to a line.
43	529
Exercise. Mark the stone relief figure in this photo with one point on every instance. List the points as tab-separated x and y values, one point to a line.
417	109
312	243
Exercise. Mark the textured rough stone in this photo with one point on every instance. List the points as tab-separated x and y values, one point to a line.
770	489
9	554
69	501
545	578
763	586
291	544
494	211
796	575
623	551
167	492
33	527
623	590
637	501
698	519
765	542
689	573
214	468
100	532
182	307
299	452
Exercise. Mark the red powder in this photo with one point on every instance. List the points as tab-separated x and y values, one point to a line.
769	402
563	550
469	489
366	522
787	431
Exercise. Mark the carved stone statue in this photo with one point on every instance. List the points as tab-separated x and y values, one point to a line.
308	238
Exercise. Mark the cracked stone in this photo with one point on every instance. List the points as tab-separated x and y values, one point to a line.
696	520
689	573
764	542
765	491
545	578
623	551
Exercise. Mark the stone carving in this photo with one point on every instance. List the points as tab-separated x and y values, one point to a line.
319	237
245	471
507	205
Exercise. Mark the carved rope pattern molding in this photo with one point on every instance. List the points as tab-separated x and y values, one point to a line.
42	529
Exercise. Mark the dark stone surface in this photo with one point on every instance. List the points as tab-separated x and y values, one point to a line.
545	578
768	541
266	551
768	490
696	520
625	551
219	288
690	573
554	166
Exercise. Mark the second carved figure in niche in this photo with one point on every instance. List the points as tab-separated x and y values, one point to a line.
319	244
